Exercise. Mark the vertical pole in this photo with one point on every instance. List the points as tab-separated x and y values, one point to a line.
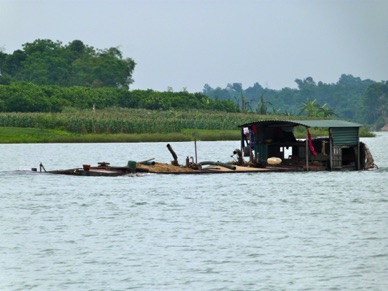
195	146
307	149
242	140
331	148
358	149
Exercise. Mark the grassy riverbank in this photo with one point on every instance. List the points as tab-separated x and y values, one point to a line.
33	135
130	125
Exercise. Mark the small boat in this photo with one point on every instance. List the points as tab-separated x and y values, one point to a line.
269	146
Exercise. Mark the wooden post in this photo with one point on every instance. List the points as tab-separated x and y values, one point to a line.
358	150
331	149
195	146
242	140
307	149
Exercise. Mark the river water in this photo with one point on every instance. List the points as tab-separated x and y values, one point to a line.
266	231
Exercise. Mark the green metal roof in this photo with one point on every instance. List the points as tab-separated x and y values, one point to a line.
307	123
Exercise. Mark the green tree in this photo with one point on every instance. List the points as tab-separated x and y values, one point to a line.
262	106
313	109
376	102
45	62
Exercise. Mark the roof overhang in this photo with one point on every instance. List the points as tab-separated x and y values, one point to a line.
306	123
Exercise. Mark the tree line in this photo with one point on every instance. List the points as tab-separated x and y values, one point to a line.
350	98
29	97
48	76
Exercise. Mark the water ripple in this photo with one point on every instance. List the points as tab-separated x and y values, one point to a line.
299	231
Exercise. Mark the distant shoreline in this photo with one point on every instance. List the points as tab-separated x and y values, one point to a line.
17	135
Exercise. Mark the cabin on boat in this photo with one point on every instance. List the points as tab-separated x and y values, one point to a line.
268	142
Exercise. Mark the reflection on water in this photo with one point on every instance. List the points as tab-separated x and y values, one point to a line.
272	231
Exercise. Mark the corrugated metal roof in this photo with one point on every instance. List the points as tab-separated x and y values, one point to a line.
307	123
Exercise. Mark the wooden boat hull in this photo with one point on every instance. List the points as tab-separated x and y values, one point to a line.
164	168
82	172
95	171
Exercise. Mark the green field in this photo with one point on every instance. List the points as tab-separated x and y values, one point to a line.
127	125
34	135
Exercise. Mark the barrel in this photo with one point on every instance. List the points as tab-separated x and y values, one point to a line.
132	165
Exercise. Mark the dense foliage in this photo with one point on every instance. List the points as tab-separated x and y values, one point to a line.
44	62
351	98
376	103
28	97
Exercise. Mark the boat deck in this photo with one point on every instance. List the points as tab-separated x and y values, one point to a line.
161	168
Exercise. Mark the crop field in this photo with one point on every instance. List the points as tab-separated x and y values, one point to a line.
132	121
126	125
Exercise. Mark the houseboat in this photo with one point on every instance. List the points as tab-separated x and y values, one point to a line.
272	142
266	146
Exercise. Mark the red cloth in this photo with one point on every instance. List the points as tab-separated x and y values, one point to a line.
311	146
254	128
